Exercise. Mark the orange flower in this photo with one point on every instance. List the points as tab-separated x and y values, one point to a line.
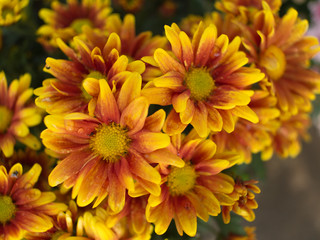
104	154
66	20
248	138
22	207
130	5
78	92
190	191
17	114
287	139
278	47
204	80
244	202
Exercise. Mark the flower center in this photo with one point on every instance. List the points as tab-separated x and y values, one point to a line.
79	23
110	142
200	83
7	209
181	180
7	11
274	62
5	118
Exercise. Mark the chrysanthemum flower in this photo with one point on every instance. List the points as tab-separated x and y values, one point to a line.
105	153
66	20
22	207
10	11
248	138
190	191
134	46
250	235
278	47
27	158
287	139
17	114
205	81
243	10
76	87
244	202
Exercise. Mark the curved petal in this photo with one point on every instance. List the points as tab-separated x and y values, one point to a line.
146	142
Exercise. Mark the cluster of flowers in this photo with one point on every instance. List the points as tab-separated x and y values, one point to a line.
233	83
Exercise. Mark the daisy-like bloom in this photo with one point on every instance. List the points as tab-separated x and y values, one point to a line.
73	88
248	138
10	11
243	10
17	114
250	235
66	20
205	81
134	46
193	190
286	141
278	47
104	154
22	207
244	202
27	158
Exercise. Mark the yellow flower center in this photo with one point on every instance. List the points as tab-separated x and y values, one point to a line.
7	11
79	23
110	142
274	62
5	118
7	209
181	180
200	83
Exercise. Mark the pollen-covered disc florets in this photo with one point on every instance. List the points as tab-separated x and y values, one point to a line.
200	83
110	141
7	209
181	180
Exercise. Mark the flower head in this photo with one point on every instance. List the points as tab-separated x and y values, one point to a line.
10	11
192	190
244	202
66	20
17	114
278	47
104	154
205	81
78	92
24	208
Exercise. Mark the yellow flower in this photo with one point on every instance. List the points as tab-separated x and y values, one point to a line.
22	207
17	114
104	154
76	86
243	201
67	20
10	11
248	138
205	81
278	47
192	190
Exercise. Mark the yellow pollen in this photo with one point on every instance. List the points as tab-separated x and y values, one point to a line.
79	23
110	142
7	209
5	118
181	180
274	62
200	83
